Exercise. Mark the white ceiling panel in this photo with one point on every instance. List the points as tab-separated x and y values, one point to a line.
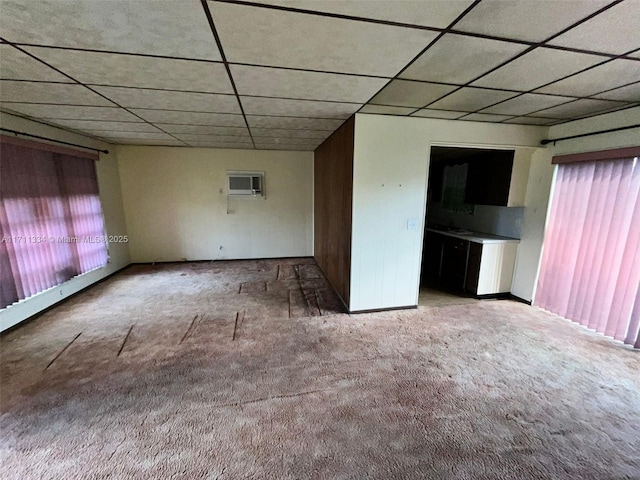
629	93
286	147
191	118
612	31
530	20
241	146
169	100
297	108
186	137
70	112
88	125
435	13
537	68
579	108
137	71
287	141
289	133
270	37
203	129
485	117
294	122
276	82
597	79
471	99
145	141
20	66
527	103
531	120
460	59
58	93
406	93
161	27
443	114
158	135
386	110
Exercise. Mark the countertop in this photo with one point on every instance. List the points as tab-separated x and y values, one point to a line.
476	237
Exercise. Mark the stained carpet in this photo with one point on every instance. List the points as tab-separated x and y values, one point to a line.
247	369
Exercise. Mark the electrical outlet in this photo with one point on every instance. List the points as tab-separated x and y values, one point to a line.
412	224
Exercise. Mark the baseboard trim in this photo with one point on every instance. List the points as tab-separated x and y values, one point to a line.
389	309
515	298
218	260
61	302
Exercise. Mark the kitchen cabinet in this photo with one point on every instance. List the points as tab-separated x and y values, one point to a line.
494	177
478	264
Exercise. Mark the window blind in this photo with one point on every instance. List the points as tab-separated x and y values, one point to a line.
590	270
51	222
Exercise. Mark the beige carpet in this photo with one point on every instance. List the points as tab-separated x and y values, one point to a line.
244	370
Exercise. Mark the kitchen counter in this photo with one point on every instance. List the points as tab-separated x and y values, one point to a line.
476	237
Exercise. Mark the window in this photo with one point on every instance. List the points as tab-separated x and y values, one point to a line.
590	271
51	222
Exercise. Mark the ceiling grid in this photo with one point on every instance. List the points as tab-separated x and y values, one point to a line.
284	74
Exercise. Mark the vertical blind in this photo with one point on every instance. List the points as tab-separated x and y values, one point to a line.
590	271
51	220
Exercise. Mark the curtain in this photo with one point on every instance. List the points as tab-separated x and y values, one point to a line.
590	270
50	219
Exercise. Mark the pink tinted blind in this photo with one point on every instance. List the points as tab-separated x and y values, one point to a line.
51	220
590	271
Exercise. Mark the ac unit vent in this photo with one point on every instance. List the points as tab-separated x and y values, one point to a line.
246	183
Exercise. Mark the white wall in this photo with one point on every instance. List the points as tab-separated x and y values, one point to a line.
176	204
111	199
391	161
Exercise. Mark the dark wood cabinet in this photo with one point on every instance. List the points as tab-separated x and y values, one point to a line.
489	179
431	259
454	263
473	267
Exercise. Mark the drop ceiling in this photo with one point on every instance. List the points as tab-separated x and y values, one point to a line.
284	74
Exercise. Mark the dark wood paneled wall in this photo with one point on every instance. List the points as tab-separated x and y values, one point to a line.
333	193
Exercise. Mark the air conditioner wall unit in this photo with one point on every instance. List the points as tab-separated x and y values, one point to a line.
246	184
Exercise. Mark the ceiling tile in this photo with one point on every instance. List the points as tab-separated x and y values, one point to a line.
603	77
612	31
384	109
155	28
471	99
114	114
20	66
58	93
527	103
531	120
137	71
294	122
439	14
406	93
191	118
459	59
257	133
297	108
629	93
287	141
133	135
277	38
240	146
186	137
100	125
276	82
484	117
145	142
537	68
164	99
203	129
579	108
444	114
526	19
297	148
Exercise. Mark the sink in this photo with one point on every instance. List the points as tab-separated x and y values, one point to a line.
461	231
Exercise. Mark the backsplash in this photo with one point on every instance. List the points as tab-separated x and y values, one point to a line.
504	221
